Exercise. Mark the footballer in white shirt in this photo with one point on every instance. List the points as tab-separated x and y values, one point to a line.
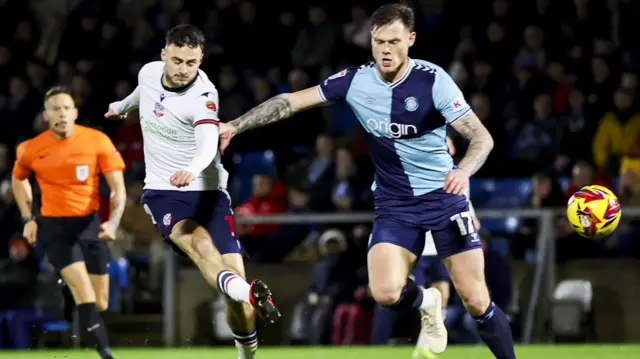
185	183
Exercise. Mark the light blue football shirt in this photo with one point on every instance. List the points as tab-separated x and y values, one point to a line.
407	121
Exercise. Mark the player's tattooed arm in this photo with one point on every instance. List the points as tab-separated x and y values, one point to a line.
273	110
480	142
278	108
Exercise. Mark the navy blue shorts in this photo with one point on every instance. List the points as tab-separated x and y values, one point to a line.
404	222
429	269
210	209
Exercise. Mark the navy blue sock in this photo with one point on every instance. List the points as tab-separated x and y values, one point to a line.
410	297
384	320
494	329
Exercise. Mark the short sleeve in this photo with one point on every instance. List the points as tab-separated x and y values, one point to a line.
109	158
448	98
336	86
22	168
205	109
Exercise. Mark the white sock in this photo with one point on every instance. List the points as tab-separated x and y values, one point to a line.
234	286
247	344
428	299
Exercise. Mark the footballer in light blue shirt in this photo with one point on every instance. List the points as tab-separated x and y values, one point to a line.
406	105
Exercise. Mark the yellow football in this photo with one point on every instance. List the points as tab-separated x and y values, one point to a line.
594	211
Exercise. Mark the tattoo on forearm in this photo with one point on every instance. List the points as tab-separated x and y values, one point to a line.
117	210
480	143
273	110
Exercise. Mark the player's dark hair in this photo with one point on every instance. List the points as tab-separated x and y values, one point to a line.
56	90
185	35
386	14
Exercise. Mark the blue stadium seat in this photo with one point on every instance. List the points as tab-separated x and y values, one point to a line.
247	165
118	281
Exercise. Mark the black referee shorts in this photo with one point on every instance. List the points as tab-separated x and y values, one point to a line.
67	240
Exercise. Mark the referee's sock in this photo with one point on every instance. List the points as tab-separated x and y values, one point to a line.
92	325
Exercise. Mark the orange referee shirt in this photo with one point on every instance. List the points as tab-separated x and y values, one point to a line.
68	170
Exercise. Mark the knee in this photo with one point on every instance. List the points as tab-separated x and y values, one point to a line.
476	301
102	303
387	294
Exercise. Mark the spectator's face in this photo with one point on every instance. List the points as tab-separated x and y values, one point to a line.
108	31
555	71
495	32
523	76
88	23
481	106
344	163
247	12
84	66
599	68
581	175
24	31
286	18
482	69
297	198
298	80
500	8
324	146
533	37
622	100
602	47
80	86
541	187
576	98
629	81
390	46
261	89
262	185
18	88
542	106
64	70
358	14
123	89
317	15
228	80
181	64
60	113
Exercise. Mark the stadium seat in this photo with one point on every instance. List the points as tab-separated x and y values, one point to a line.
247	165
571	317
118	281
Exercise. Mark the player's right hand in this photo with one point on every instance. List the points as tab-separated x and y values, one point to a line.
182	178
227	131
111	114
30	231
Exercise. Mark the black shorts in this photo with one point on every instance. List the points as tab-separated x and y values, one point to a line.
67	240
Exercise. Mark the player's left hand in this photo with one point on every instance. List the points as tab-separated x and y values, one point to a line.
182	178
456	181
107	232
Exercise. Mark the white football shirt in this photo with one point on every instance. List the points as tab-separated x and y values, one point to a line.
168	119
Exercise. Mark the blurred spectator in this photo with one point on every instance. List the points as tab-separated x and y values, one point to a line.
538	141
315	43
583	174
618	130
268	198
318	173
546	193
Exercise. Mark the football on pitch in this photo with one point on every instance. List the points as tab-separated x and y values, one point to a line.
594	211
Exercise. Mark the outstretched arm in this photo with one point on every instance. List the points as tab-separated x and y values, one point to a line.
128	104
278	108
480	142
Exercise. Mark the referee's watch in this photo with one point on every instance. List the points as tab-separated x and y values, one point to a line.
25	220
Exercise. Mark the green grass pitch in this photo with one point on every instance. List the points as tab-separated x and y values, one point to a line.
454	352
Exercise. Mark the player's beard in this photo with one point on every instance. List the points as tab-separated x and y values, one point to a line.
175	81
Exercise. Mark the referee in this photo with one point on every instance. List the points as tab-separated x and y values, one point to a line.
67	161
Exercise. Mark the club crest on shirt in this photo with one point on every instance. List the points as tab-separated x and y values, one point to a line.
411	104
82	172
158	110
166	220
211	105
